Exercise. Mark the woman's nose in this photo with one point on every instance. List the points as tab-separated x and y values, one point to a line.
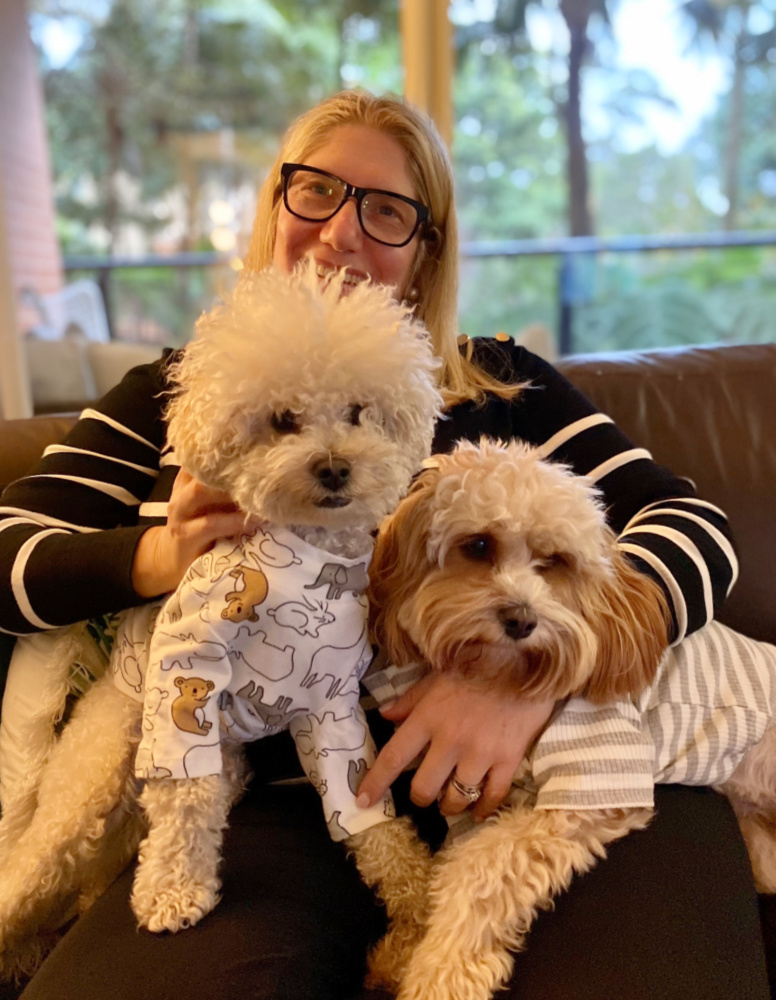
343	230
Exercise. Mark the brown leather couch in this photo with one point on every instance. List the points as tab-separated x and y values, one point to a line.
708	413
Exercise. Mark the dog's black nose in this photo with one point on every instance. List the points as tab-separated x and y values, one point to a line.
517	620
333	473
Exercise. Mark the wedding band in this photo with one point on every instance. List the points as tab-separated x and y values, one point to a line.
469	792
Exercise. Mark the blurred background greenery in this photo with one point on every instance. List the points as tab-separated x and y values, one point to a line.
571	118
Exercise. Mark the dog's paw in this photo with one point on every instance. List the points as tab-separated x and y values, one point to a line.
20	960
175	909
440	970
389	960
441	987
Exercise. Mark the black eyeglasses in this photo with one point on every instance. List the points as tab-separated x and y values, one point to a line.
315	196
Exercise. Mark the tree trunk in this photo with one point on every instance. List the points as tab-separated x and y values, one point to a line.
576	14
733	152
187	165
191	37
115	143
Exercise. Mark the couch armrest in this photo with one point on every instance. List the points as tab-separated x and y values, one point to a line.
23	442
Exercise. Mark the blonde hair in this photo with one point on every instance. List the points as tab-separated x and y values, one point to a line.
434	276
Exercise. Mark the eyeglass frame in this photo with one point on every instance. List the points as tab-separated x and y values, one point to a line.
359	193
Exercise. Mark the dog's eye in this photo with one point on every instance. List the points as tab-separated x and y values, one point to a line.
285	422
554	561
354	414
478	549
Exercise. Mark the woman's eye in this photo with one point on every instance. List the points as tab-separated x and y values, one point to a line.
285	422
478	549
314	188
354	414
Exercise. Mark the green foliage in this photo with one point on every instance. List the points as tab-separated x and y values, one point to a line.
507	294
689	297
149	102
169	104
507	160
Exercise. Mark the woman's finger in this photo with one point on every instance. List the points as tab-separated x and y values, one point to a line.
497	787
433	773
399	710
399	752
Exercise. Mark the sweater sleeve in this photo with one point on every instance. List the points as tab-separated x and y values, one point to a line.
68	531
671	534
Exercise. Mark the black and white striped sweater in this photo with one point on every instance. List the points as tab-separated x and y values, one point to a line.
68	531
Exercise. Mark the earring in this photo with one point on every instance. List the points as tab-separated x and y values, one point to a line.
412	294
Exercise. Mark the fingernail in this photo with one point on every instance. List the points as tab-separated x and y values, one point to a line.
388	705
362	801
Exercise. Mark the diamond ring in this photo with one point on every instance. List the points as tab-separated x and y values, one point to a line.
469	792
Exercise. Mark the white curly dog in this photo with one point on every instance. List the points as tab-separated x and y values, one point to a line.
312	409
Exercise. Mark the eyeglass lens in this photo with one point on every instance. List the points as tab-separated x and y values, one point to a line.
383	216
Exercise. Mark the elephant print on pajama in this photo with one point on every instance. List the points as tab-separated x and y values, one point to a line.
249	645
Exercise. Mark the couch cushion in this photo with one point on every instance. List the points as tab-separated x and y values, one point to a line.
60	373
69	373
110	362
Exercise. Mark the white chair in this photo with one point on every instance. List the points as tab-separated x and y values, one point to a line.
71	360
77	308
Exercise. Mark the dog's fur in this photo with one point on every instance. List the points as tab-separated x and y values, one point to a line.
283	376
499	567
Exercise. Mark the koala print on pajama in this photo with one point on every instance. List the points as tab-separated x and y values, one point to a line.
261	636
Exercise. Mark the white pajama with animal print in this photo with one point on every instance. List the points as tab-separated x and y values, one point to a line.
264	634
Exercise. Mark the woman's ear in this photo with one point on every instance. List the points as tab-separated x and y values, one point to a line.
630	617
398	566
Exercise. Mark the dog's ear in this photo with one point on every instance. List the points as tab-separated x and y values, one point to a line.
204	430
630	617
398	566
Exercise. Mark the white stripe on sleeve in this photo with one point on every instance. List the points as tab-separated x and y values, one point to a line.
692	551
90	414
656	509
40	520
571	430
677	597
156	509
17	577
56	449
117	492
617	462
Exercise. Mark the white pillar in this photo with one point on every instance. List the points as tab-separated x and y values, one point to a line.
427	39
14	377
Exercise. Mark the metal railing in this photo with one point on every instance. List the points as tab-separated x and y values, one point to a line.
103	268
569	250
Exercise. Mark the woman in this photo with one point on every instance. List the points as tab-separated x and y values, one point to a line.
295	922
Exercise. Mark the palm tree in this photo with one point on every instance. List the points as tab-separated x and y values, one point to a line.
510	22
576	14
724	23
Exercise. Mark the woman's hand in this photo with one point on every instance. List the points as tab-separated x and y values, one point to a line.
478	736
197	517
